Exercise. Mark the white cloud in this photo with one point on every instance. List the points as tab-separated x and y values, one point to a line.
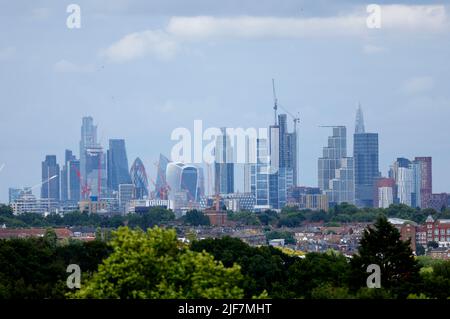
165	43
373	49
65	66
417	85
7	53
139	44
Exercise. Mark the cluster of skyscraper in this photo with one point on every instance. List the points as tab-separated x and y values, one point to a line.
270	182
97	174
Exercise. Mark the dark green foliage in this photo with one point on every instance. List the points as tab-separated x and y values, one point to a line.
264	268
36	268
196	218
381	245
437	281
155	216
315	270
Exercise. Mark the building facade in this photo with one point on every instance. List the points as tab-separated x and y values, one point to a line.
50	178
223	165
118	170
139	179
365	155
336	170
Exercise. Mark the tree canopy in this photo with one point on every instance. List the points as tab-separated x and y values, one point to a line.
154	264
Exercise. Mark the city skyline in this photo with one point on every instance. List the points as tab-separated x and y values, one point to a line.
398	73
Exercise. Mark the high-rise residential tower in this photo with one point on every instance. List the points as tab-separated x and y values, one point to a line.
426	187
407	176
117	165
365	155
223	165
336	170
50	178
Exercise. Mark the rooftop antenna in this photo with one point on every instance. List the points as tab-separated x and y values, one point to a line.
275	101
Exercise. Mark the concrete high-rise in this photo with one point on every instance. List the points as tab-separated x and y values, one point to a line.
117	165
365	155
223	164
336	170
50	178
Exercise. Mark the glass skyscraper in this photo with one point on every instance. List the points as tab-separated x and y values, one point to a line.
70	182
118	170
365	155
139	179
50	178
185	178
92	161
161	188
223	165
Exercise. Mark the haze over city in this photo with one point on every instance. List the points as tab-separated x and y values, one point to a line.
141	70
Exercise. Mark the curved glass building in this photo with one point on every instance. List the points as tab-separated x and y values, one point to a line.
139	179
185	178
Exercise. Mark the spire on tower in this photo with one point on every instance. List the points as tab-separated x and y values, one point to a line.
359	122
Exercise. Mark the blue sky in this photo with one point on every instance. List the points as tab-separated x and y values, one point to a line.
144	68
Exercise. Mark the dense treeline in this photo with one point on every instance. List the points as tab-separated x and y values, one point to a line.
342	213
155	216
35	268
154	264
289	217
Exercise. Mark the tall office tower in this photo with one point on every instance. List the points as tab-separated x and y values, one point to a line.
287	146
50	178
139	179
250	160
336	170
64	175
223	164
161	188
365	155
185	178
73	181
92	161
426	188
117	165
407	176
259	177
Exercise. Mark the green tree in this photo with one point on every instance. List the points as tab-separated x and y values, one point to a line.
196	218
381	245
154	264
264	268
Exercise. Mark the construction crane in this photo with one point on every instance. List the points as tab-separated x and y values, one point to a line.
275	101
296	119
164	189
85	188
44	182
